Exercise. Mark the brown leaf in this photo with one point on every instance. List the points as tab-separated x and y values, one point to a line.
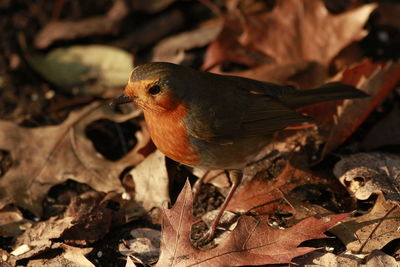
45	156
151	6
372	230
318	258
38	238
265	195
287	33
253	241
94	215
377	80
173	48
339	119
68	30
376	259
149	33
380	259
151	181
70	256
129	262
12	222
364	174
88	218
386	132
144	245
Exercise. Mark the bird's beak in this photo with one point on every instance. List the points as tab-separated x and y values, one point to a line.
122	99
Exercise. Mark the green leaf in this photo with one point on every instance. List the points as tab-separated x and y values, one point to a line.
100	65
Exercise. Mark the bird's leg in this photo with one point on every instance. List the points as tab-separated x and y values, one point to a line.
197	185
235	176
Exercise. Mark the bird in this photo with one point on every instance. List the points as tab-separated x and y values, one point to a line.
213	121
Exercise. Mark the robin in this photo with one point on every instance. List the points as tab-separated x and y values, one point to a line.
215	121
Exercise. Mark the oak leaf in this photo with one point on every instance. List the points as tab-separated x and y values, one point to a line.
45	156
252	242
287	34
370	231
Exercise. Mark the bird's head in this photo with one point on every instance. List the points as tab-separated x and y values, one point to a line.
153	87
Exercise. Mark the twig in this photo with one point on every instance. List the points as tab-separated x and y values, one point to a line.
376	227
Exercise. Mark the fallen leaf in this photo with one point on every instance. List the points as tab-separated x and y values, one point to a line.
377	258
319	258
371	231
144	246
45	156
173	48
385	132
79	65
151	181
376	79
149	33
129	262
12	222
286	34
70	256
265	195
151	6
94	215
364	174
7	259
253	241
38	239
69	30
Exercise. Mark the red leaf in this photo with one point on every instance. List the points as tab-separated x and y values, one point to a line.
252	242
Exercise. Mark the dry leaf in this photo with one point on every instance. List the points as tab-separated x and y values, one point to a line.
378	258
12	222
88	218
386	132
364	174
144	247
45	156
264	195
94	215
253	241
129	262
38	239
151	181
151	6
371	231
96	67
317	258
69	30
377	80
71	257
173	48
287	33
149	33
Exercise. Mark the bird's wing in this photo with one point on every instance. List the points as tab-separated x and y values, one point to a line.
267	115
245	115
215	123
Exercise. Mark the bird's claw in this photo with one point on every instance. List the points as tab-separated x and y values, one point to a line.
206	238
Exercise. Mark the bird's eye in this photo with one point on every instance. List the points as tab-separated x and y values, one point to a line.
155	89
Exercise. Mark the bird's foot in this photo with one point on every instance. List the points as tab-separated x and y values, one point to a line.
206	238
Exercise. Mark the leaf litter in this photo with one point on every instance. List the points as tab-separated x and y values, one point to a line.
253	241
50	155
280	192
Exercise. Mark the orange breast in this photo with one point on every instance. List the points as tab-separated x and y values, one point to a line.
169	135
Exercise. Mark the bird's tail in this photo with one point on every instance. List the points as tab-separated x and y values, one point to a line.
328	92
